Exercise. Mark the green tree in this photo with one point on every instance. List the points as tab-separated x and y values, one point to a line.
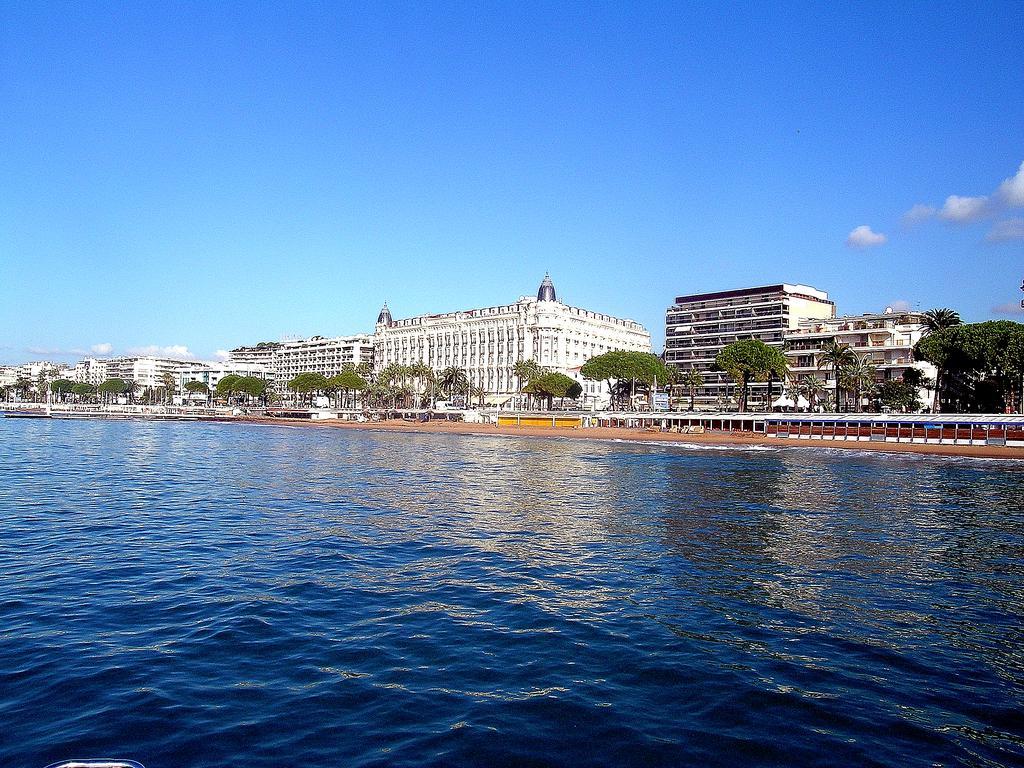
227	386
553	384
196	388
251	387
858	377
980	366
346	382
112	388
691	380
939	319
61	388
749	360
454	381
83	391
525	372
170	387
812	388
23	386
897	395
623	372
838	357
307	384
935	321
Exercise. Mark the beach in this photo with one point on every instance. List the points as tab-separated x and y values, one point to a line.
613	434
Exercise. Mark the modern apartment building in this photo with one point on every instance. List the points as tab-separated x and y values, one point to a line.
285	360
89	370
211	373
488	342
147	372
699	326
885	339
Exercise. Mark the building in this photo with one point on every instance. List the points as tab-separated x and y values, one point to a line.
284	360
8	375
211	373
488	342
145	372
884	339
699	326
90	370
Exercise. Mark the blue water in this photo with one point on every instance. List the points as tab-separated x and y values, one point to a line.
215	595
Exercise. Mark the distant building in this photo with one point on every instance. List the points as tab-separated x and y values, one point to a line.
488	342
8	375
90	370
146	372
699	326
285	360
885	339
211	373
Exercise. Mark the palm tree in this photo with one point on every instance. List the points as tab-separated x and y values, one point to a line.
169	386
939	319
453	379
691	380
859	376
936	320
421	376
394	377
23	386
130	388
837	357
527	371
812	388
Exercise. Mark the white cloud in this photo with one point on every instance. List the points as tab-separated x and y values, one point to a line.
863	237
177	351
918	213
900	305
1008	229
963	210
102	349
221	354
1011	191
1009	308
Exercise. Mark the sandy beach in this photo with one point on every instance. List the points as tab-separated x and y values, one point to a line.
639	435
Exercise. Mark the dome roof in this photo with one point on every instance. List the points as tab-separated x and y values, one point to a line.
384	316
546	292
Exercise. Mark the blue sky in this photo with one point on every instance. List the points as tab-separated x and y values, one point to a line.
200	176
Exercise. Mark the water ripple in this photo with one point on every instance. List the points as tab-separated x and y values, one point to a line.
195	595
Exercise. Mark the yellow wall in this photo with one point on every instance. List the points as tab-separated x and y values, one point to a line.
539	421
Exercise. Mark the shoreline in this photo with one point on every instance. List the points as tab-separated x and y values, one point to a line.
620	434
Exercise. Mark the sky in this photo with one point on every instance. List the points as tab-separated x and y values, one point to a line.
183	178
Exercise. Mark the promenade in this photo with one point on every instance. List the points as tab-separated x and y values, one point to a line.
979	435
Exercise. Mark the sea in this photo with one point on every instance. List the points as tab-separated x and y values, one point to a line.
198	594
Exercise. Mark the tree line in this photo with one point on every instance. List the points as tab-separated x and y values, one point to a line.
980	368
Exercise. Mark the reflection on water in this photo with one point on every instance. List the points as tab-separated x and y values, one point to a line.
212	594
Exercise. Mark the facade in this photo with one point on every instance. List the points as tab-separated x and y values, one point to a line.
35	372
287	359
211	373
699	326
885	339
89	371
146	372
488	342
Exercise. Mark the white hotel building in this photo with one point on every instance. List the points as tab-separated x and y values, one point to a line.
488	342
884	339
147	372
285	360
